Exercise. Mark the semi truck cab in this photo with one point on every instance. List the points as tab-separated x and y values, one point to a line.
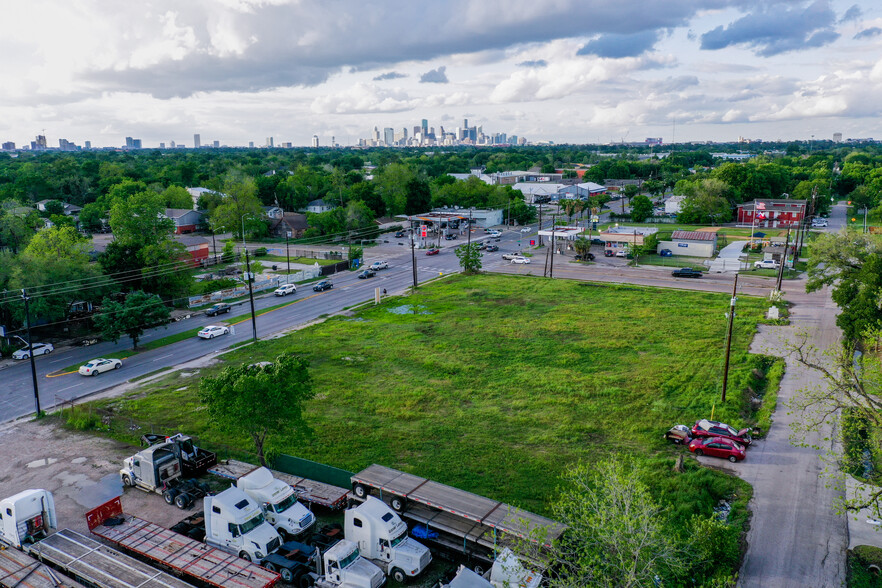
236	524
278	502
27	517
382	537
345	568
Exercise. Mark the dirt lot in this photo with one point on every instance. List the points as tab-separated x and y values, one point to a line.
81	470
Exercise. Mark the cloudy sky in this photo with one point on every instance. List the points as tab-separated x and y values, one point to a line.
568	71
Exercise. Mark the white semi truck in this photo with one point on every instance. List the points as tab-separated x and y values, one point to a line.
381	537
278	502
345	568
507	572
159	469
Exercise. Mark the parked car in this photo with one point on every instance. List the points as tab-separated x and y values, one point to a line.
93	367
492	248
39	349
718	447
766	264
622	253
323	285
450	236
686	272
819	222
212	331
285	289
368	273
219	308
678	435
708	428
379	265
586	257
666	253
520	259
400	234
433	251
608	253
482	246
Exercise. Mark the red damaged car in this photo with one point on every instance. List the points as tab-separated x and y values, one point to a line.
708	428
718	447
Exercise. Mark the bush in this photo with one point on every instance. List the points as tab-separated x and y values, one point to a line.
859	560
209	286
260	252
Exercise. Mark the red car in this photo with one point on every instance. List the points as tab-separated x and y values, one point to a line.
707	428
718	447
433	251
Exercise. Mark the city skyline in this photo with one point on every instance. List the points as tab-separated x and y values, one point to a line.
569	71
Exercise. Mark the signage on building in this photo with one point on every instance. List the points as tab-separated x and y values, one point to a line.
424	230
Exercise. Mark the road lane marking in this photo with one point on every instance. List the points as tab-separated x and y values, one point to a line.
163	357
69	387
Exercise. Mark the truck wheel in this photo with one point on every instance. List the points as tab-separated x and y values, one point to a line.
182	501
287	576
398	576
245	556
127	481
271	567
360	491
397	503
169	495
479	569
306	581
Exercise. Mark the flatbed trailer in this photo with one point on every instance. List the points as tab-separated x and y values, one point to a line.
464	522
195	561
19	570
94	564
326	495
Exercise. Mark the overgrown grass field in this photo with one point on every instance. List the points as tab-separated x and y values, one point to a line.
496	384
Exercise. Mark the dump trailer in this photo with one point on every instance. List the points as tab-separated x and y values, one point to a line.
27	524
450	520
319	493
198	563
195	460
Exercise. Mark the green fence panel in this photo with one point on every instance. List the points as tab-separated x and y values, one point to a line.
297	466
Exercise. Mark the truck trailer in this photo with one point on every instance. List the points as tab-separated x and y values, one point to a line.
311	491
198	563
451	520
27	521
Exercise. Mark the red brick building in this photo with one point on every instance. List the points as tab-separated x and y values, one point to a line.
772	213
197	248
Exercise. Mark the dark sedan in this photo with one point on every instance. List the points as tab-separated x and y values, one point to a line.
492	248
217	309
323	285
368	273
433	251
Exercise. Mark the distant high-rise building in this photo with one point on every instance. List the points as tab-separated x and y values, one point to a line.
333	141
425	127
389	136
417	131
251	144
269	142
172	144
40	143
216	144
88	145
8	146
315	141
837	137
136	143
130	143
197	141
162	145
465	123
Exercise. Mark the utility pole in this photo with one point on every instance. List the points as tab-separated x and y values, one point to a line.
213	246
783	261
287	254
469	236
251	297
26	298
729	337
539	230
413	259
551	266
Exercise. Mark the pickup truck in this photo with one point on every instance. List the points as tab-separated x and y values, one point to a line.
686	272
379	265
510	256
766	264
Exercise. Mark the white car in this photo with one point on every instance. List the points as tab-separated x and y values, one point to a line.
766	264
819	222
622	253
39	349
495	234
212	331
520	259
526	229
95	366
378	265
285	290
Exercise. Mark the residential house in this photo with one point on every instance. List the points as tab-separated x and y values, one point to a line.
319	206
197	248
68	209
186	221
291	224
674	204
273	212
621	237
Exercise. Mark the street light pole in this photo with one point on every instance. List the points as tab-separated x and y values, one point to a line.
729	336
26	298
288	254
413	260
251	297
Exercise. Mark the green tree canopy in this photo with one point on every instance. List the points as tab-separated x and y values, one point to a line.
140	220
469	258
240	203
641	208
177	197
260	401
136	314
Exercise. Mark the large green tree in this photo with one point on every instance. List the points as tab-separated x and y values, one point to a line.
238	208
132	317
469	258
641	208
259	400
851	263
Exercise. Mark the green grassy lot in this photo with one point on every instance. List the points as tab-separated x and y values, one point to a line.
301	260
673	261
496	384
730	232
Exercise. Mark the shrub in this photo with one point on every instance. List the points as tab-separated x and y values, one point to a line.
260	252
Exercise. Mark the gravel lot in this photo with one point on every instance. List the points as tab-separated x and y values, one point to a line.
81	470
